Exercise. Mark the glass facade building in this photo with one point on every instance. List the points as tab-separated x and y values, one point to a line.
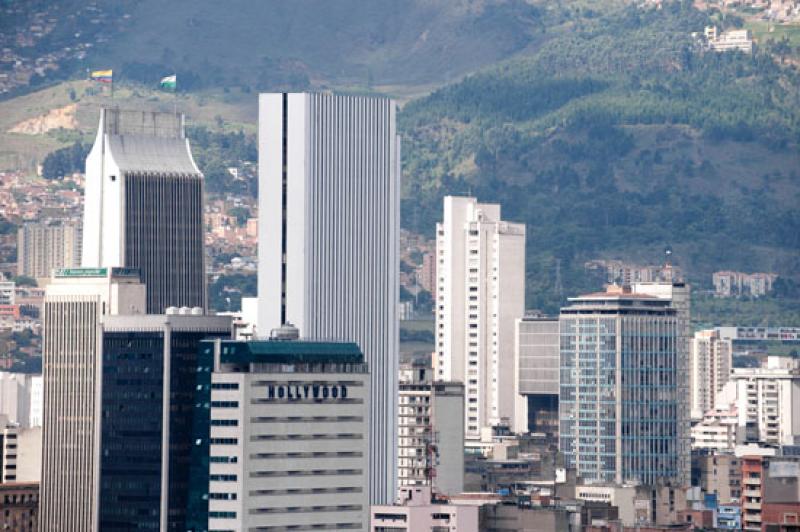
619	393
146	420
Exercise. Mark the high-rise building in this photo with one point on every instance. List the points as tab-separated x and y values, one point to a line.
709	369
619	388
430	433
329	221
480	293
75	301
281	436
144	206
679	294
537	361
41	248
149	375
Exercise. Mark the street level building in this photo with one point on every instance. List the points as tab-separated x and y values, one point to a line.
416	512
480	293
329	225
619	388
144	206
281	436
19	506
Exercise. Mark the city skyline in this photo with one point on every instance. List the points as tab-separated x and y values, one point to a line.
421	266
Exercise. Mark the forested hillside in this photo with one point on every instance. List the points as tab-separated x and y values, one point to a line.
616	139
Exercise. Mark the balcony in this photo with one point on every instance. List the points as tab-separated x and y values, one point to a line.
752	506
752	493
752	481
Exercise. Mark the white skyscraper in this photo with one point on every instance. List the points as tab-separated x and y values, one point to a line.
144	206
480	294
329	186
74	304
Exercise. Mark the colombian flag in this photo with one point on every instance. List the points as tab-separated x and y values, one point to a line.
103	76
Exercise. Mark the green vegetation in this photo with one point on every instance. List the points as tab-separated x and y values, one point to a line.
616	140
216	151
65	161
226	293
708	311
764	31
275	45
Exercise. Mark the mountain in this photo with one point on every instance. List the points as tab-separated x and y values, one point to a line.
616	140
306	41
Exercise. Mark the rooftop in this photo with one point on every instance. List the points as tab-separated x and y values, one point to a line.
289	352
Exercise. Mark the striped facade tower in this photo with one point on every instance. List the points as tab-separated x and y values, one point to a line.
144	206
74	304
329	185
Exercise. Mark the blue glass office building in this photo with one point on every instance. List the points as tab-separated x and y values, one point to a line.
146	419
619	388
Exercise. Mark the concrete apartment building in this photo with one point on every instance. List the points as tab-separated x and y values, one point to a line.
730	284
709	370
329	229
480	293
718	473
75	301
769	398
719	430
770	493
41	248
620	424
536	375
430	432
144	206
285	442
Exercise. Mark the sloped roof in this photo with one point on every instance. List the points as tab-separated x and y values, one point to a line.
139	153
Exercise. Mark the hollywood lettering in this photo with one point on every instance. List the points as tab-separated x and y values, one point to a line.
315	392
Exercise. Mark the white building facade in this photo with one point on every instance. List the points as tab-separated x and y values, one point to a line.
709	370
75	301
769	397
289	439
20	398
480	293
329	222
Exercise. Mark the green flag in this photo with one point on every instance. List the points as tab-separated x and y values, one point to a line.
169	83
